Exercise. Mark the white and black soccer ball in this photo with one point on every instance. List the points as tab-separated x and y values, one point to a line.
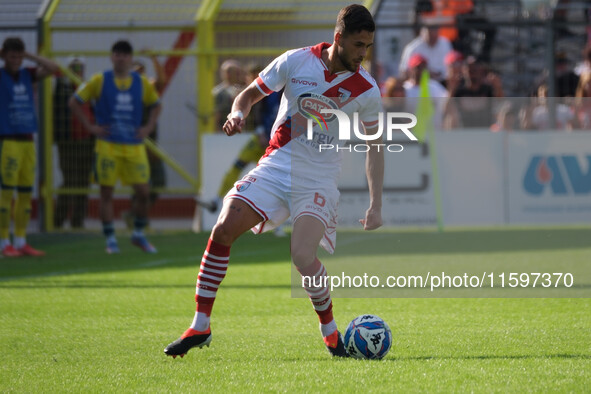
368	337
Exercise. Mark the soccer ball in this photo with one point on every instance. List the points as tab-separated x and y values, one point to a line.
368	337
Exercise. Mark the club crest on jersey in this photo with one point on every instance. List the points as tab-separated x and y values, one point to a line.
311	105
242	185
344	94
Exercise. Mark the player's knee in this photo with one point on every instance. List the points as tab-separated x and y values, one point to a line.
222	233
142	193
302	257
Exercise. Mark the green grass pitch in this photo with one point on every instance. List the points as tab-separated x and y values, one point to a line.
78	320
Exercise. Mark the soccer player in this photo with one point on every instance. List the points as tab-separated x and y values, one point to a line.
18	124
121	96
157	174
293	178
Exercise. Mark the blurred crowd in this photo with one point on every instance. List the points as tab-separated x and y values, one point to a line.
464	89
466	93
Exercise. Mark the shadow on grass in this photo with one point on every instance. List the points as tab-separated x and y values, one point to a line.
84	253
464	241
112	285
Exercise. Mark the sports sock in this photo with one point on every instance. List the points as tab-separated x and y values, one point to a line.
19	242
22	214
211	273
4	242
139	224
319	294
5	205
108	230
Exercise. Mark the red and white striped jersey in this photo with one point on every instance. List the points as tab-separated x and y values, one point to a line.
308	87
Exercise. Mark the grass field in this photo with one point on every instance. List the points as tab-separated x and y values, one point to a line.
78	320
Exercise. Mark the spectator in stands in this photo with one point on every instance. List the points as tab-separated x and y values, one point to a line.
566	80
583	103
507	118
471	104
584	66
75	147
458	18
454	76
18	126
232	76
437	92
536	116
431	46
393	95
468	20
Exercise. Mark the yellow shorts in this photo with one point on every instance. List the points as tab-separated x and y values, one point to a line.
128	162
17	164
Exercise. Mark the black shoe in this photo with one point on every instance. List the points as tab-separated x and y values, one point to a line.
181	346
339	350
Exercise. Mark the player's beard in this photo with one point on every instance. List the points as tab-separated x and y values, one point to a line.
348	64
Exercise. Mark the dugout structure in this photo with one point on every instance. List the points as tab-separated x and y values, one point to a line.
191	38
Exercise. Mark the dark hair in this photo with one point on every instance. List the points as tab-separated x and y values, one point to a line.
353	19
13	44
122	46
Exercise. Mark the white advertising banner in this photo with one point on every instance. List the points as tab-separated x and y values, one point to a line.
485	179
408	188
471	177
470	166
549	177
219	154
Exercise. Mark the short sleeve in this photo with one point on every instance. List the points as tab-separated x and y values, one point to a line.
273	77
90	90
150	95
370	107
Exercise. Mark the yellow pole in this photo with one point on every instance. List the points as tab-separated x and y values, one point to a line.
47	190
171	162
206	74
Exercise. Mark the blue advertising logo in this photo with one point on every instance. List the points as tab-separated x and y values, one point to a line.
562	174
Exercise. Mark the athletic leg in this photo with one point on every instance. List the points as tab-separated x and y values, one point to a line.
306	236
106	214
140	215
235	219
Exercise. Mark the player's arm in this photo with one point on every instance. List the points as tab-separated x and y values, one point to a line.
86	92
145	130
150	99
47	67
241	108
374	170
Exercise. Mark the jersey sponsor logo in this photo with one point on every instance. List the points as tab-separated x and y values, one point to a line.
249	178
124	102
304	82
20	89
242	185
312	105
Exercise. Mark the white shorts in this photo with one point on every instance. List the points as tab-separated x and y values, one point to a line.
272	196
